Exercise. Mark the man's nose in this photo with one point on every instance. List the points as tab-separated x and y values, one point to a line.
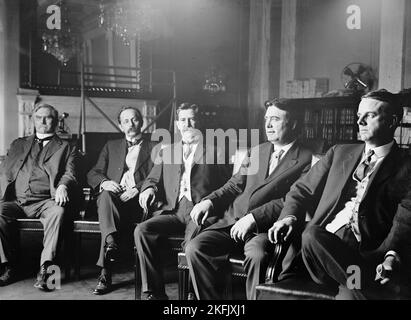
361	121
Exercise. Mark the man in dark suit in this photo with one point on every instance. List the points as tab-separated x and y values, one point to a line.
184	173
35	180
117	177
360	196
246	202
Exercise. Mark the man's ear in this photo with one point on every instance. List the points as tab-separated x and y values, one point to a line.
395	121
294	126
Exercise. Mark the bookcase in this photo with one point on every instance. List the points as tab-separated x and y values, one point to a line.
332	119
403	132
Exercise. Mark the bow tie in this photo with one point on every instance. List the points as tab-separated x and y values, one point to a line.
133	143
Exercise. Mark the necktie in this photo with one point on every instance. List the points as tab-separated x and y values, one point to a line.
275	159
364	166
133	143
40	141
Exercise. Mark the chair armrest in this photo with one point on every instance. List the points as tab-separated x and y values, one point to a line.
146	215
275	263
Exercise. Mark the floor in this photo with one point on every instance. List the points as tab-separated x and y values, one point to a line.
123	277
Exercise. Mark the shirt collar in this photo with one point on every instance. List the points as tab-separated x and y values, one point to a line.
285	148
135	140
380	151
43	135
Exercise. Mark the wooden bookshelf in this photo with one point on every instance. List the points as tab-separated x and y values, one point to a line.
332	119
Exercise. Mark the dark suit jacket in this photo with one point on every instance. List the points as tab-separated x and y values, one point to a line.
60	162
259	194
385	211
166	173
111	163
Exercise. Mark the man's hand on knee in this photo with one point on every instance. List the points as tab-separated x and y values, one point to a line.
61	197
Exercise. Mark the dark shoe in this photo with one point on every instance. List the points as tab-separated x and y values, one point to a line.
110	252
7	276
41	281
103	285
151	296
191	296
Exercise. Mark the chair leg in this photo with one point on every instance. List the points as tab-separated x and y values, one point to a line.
137	276
183	283
229	287
77	255
68	258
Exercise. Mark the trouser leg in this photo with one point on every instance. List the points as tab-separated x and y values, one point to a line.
257	251
328	259
9	212
150	240
51	216
112	214
207	257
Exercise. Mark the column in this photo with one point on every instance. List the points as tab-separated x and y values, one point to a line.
9	72
391	68
259	58
287	54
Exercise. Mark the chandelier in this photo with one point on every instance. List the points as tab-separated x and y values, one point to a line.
128	19
214	81
62	44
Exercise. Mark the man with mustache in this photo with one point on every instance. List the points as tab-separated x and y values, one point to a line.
359	197
117	178
184	173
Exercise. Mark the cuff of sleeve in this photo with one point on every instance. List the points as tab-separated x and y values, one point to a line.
393	254
100	189
291	216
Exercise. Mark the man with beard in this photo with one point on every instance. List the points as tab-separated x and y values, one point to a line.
36	180
117	177
184	173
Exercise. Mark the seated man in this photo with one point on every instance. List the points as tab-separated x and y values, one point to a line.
35	180
361	197
118	175
251	202
181	177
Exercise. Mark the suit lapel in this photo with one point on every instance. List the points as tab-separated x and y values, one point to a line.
177	162
27	146
264	161
199	154
385	170
351	161
52	147
348	166
142	156
286	163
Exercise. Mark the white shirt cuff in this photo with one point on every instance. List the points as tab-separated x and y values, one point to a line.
394	254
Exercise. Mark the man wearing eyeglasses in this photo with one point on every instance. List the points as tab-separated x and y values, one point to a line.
360	197
249	203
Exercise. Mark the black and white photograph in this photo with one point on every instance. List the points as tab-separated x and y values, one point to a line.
211	155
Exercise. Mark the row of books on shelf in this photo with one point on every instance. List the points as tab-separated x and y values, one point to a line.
149	110
329	133
403	136
407	115
307	88
343	116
